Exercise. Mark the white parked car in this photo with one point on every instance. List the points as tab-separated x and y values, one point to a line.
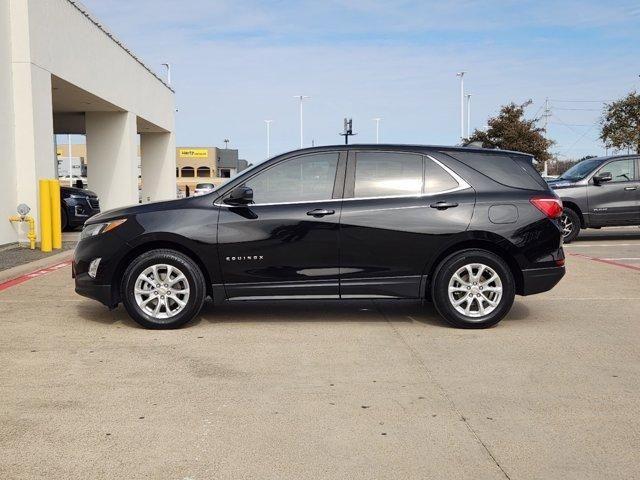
202	188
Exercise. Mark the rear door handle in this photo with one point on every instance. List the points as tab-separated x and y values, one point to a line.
630	189
320	212
443	205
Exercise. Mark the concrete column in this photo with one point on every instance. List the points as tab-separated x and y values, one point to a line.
7	134
34	143
112	160
158	166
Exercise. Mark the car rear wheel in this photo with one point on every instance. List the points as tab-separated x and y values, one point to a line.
570	223
163	289
473	289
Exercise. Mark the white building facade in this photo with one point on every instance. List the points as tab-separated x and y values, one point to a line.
61	72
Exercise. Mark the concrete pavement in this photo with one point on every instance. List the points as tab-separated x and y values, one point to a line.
324	390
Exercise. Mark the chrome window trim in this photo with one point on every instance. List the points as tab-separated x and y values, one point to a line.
462	185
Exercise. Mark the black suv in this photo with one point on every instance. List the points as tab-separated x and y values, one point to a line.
465	228
77	206
599	192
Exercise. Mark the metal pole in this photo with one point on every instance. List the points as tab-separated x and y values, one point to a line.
461	75
268	122
545	170
377	120
69	157
301	98
468	115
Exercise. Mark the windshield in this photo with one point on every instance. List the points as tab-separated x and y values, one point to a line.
205	185
581	170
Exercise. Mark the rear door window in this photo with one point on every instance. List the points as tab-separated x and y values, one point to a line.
437	179
386	174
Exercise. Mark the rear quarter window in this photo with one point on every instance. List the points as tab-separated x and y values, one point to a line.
511	170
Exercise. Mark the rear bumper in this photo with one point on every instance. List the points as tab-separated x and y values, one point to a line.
538	280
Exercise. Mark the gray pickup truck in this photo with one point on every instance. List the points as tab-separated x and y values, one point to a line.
599	192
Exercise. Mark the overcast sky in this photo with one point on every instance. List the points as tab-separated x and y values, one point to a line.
239	62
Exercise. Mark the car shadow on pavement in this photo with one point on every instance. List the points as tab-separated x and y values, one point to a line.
519	311
307	311
96	312
303	311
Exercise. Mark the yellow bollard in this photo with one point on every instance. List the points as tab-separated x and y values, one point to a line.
56	218
45	216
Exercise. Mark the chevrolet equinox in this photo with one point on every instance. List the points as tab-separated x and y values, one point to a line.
464	228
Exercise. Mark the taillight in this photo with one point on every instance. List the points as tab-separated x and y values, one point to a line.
550	206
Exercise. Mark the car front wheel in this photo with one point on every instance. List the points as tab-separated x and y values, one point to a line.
163	289
473	289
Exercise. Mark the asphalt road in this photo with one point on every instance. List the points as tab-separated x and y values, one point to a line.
614	245
314	390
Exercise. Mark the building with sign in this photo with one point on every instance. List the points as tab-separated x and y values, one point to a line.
206	165
193	164
63	72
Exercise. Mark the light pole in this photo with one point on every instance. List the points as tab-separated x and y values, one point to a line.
69	157
168	65
268	122
461	75
377	120
468	115
301	98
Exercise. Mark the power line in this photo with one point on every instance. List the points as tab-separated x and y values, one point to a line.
571	124
579	109
580	101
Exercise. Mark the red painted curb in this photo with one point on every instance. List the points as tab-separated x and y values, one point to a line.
35	274
608	262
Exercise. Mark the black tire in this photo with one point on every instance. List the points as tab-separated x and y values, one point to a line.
195	284
64	220
444	274
570	224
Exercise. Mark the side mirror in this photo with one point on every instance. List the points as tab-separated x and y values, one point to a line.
240	196
602	177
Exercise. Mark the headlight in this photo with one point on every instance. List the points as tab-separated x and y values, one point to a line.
98	228
77	197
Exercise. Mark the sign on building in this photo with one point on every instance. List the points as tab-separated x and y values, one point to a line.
193	152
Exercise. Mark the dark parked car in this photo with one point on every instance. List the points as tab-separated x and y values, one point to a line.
599	192
78	205
465	228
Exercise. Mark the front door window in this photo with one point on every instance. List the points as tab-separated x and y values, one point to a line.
301	179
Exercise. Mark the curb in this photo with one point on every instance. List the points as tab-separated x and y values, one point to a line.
43	263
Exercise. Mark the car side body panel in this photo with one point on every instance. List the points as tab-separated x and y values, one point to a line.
366	247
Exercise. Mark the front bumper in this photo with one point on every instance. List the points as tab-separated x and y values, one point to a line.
87	287
111	249
538	280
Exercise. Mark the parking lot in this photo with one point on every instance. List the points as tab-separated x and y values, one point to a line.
363	389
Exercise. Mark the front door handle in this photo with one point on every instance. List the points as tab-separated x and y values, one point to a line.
320	212
443	205
630	189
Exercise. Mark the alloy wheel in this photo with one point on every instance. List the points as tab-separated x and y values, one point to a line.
475	290
161	291
567	225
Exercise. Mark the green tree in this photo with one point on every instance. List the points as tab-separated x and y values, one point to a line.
621	123
509	130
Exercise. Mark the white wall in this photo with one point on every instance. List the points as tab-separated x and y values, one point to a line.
67	44
7	159
41	38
